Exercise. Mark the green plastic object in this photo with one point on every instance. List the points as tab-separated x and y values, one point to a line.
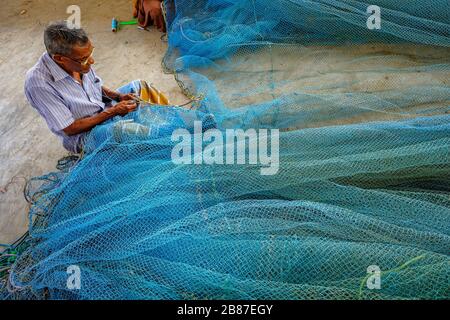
131	22
116	23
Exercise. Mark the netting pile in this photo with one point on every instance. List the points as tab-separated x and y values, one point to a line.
363	176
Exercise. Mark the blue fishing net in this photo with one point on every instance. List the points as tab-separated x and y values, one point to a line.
363	179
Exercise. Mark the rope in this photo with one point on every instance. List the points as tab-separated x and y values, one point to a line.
4	189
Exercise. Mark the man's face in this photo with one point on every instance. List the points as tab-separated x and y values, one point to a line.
80	60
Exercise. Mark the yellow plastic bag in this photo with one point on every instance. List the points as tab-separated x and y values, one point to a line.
152	95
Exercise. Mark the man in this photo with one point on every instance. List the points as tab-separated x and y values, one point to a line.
65	90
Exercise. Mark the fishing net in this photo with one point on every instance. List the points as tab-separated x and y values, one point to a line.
363	181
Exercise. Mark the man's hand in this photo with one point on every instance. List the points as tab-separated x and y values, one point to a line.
125	97
124	107
86	124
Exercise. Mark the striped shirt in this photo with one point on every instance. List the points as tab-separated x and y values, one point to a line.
61	100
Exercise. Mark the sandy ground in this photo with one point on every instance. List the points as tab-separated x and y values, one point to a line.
28	148
337	85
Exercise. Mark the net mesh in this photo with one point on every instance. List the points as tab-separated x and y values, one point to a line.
363	177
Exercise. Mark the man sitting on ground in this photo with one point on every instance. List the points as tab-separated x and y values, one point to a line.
66	91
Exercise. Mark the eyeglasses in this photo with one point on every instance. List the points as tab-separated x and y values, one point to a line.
84	62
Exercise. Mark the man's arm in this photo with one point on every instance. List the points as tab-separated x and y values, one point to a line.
117	96
111	94
86	124
59	118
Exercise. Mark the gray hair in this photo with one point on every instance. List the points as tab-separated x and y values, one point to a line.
60	39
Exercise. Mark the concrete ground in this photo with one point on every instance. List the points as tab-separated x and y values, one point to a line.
28	148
